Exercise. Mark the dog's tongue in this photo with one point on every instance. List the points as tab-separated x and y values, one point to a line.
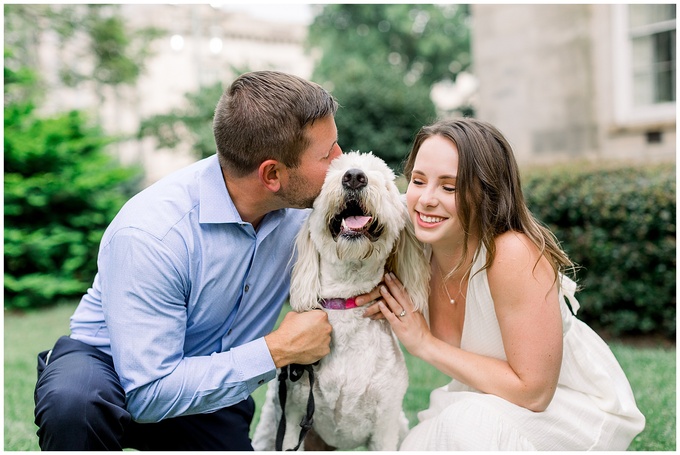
356	223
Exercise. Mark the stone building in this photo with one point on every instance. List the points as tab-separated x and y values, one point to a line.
578	81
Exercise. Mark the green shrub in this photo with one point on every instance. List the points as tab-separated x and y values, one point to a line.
61	191
618	225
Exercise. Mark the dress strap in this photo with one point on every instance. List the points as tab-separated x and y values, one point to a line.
568	287
568	303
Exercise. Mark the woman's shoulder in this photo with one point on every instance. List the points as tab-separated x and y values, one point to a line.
518	262
515	246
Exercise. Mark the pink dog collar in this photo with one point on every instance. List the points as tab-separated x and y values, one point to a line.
338	304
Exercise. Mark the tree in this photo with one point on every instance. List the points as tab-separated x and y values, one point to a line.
380	61
191	124
374	116
428	43
61	186
61	191
95	36
94	39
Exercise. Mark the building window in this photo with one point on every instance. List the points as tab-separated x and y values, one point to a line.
652	35
643	64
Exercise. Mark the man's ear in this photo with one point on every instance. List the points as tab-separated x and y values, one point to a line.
270	173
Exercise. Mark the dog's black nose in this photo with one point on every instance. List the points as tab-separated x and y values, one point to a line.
354	179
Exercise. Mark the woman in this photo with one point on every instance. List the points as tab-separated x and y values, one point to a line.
526	374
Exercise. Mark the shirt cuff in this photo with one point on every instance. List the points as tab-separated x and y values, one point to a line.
255	362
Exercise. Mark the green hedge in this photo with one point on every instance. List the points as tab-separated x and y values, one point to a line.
61	190
618	226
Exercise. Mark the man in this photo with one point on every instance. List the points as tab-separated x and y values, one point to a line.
175	332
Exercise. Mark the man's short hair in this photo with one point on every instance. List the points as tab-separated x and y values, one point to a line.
263	115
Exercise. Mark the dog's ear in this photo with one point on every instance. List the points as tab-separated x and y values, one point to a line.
304	282
409	263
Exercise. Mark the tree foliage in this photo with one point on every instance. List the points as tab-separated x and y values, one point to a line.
189	124
101	48
380	61
61	190
61	187
426	43
374	116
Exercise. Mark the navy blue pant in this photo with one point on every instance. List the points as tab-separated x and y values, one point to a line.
80	405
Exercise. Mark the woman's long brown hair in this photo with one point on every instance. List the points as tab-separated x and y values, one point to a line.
488	190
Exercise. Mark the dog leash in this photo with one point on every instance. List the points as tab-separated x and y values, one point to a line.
296	372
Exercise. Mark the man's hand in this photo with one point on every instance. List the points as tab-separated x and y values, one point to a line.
301	338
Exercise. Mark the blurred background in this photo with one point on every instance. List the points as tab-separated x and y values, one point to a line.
102	100
561	81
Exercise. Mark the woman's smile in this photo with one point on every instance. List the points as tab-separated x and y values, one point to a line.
429	221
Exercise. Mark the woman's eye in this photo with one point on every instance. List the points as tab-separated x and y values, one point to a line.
450	189
416	181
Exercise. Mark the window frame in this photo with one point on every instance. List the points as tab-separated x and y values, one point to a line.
625	112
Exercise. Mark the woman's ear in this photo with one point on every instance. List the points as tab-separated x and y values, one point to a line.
270	173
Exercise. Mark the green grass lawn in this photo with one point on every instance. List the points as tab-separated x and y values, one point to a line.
651	372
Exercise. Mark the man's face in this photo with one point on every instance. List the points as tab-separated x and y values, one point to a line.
305	182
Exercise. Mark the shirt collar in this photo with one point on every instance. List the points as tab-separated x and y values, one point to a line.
215	204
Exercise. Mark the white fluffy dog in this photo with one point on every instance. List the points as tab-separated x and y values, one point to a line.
357	230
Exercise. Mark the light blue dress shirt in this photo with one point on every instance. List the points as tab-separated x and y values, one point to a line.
184	294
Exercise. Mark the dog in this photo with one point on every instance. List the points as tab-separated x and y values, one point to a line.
358	229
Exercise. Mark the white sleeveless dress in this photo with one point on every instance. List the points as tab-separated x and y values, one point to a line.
593	407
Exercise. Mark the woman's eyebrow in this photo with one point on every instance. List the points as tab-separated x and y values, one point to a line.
440	177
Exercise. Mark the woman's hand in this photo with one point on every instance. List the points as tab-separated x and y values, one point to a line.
396	306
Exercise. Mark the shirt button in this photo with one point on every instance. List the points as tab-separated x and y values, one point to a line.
247	288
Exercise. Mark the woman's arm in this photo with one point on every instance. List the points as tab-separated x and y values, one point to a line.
527	309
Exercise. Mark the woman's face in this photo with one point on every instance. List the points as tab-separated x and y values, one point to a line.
431	193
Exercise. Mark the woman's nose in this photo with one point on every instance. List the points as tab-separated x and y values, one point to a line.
428	198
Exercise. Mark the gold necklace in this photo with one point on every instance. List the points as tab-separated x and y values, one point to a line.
451	301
